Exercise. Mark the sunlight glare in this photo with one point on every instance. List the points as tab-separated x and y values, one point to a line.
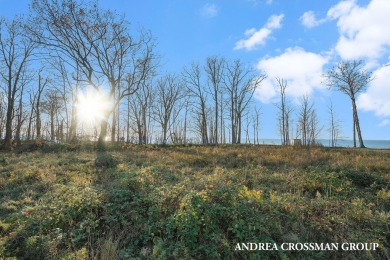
91	107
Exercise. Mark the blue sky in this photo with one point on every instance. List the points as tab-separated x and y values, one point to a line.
296	39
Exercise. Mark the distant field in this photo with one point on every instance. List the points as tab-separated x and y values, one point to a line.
192	202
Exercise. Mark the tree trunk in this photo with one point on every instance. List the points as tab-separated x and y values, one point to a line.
140	130
18	130
216	119
52	132
30	121
74	119
128	120
164	135
354	124
239	129
221	124
8	126
38	126
103	133
185	127
113	126
144	127
232	118
37	106
204	125
357	124
73	123
61	131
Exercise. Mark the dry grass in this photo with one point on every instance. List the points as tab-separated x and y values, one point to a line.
192	201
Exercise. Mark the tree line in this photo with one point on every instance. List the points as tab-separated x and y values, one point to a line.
63	47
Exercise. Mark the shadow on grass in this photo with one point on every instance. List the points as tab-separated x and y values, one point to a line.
156	209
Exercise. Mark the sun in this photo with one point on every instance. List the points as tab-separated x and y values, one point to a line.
91	107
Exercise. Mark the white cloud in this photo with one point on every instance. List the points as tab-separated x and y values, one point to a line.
341	9
384	122
250	32
209	10
258	38
266	93
302	70
274	22
364	31
377	96
309	20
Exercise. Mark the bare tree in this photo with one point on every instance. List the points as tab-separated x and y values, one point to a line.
2	113
214	70
20	116
349	78
139	111
246	130
256	125
32	98
168	93
51	105
196	89
284	111
334	126
308	124
240	84
315	128
184	135
99	42
115	125
15	54
304	119
42	83
67	88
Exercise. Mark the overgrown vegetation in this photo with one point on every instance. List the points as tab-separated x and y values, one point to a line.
183	202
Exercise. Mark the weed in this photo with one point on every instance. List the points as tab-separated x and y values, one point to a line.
71	201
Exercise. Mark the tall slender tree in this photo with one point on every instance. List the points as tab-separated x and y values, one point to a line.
196	89
169	91
16	51
350	78
240	83
51	105
214	70
284	111
139	112
334	126
42	83
304	119
256	125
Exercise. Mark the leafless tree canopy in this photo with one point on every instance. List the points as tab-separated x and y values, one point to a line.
240	83
63	48
98	44
16	52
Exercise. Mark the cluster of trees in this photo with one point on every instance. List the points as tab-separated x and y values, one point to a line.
348	77
65	46
307	126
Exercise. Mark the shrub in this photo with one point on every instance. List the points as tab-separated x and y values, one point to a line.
64	218
105	160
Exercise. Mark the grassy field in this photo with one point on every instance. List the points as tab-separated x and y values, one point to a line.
191	202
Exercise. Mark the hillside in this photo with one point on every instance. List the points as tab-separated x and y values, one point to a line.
183	202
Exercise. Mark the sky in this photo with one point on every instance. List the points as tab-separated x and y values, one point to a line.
298	40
